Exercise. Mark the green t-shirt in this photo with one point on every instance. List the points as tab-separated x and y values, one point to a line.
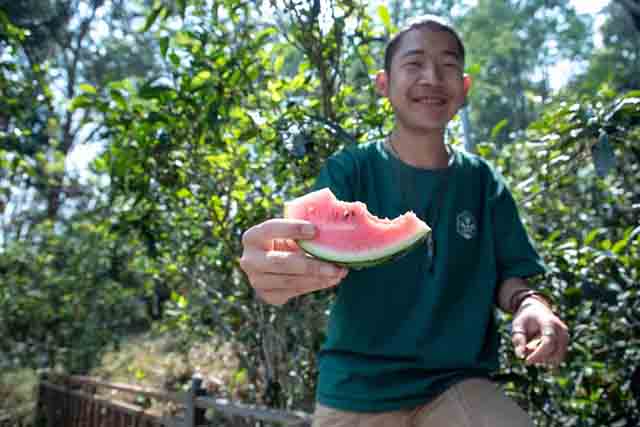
402	332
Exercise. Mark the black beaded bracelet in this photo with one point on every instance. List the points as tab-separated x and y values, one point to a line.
518	297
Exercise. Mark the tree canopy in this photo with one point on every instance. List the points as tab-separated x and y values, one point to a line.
210	115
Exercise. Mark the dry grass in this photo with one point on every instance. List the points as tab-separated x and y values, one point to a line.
17	394
164	364
158	362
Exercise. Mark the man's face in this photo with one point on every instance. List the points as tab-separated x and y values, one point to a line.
425	85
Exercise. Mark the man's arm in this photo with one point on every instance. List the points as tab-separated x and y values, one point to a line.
537	333
513	292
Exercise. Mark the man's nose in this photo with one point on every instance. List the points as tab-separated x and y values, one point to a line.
430	73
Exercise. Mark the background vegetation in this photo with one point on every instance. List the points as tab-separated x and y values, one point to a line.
207	115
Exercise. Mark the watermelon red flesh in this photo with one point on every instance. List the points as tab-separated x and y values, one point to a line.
347	234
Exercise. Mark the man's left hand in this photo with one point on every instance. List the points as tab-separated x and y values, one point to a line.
538	335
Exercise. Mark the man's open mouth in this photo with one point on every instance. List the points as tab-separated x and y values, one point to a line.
429	100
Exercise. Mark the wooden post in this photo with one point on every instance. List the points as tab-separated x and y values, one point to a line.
199	418
66	412
193	415
41	404
52	400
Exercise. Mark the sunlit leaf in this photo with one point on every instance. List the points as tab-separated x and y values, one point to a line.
263	35
184	39
619	246
151	19
87	88
118	98
498	128
150	91
164	45
183	193
81	101
279	62
182	7
593	234
383	13
200	79
175	59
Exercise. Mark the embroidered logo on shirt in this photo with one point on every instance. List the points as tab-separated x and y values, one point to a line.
466	225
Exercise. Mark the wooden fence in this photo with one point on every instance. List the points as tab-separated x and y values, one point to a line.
74	401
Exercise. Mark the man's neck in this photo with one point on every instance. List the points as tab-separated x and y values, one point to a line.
424	150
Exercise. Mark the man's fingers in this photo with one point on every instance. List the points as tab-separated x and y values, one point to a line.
263	234
277	289
295	283
544	350
521	331
285	245
562	341
288	263
519	340
276	298
552	346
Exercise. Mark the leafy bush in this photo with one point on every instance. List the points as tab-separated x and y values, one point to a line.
576	178
241	119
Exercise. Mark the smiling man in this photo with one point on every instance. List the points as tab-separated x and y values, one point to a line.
424	81
414	342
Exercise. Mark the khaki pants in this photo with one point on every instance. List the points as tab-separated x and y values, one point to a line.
474	402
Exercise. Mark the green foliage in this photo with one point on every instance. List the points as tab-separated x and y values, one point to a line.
203	152
229	114
62	295
512	46
16	388
587	228
200	170
617	62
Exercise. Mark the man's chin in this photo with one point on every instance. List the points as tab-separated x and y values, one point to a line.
423	126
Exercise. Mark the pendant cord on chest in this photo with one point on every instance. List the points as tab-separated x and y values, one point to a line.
411	201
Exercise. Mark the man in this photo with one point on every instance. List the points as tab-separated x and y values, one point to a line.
413	342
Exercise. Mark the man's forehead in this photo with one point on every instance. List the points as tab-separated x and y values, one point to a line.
419	41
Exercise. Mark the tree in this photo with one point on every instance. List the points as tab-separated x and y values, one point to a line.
615	65
576	179
236	115
632	7
63	53
46	230
512	45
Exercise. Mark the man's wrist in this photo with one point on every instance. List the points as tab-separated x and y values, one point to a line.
518	298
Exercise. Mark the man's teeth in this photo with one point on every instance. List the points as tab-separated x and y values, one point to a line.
430	101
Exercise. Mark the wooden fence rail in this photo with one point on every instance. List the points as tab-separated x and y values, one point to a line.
73	401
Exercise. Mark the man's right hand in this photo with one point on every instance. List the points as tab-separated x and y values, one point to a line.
277	268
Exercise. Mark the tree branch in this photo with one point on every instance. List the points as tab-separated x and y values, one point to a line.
632	7
72	70
557	181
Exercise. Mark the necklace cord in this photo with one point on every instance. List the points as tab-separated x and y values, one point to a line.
441	188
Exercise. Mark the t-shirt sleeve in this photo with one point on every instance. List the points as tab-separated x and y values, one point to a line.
340	175
515	252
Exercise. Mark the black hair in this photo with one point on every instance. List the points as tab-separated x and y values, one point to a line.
430	22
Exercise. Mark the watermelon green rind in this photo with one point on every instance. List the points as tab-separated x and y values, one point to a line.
369	259
375	262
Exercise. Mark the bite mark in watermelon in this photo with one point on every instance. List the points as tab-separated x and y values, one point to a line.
347	234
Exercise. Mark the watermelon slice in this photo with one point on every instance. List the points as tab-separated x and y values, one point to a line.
347	234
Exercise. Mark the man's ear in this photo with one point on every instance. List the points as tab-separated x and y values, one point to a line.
382	83
466	81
